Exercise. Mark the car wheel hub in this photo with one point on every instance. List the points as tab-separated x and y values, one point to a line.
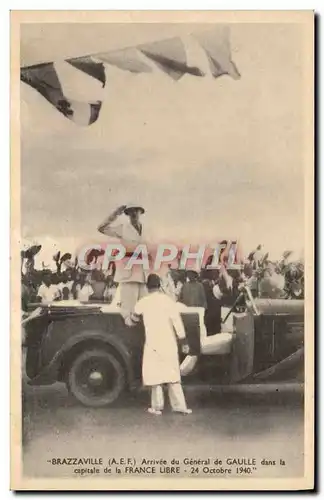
95	378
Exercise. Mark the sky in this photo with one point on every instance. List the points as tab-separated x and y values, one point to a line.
209	159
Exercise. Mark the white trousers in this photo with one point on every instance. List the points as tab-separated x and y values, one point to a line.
176	397
130	293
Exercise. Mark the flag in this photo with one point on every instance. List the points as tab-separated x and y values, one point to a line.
216	45
44	79
126	59
170	56
89	66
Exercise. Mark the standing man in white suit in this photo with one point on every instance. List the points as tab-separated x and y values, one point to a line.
131	281
163	325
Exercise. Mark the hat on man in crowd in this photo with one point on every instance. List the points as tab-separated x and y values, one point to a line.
30	249
133	206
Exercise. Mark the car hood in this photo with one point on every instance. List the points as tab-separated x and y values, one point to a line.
280	306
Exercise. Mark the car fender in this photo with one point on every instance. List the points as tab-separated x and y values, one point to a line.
55	369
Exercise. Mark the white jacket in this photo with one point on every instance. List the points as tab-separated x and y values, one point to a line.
130	238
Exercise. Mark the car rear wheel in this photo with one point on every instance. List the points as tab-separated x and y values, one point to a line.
96	378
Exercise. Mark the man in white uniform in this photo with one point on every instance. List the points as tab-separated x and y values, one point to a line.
83	289
162	323
130	233
48	292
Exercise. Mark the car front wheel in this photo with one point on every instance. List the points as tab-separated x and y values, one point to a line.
96	378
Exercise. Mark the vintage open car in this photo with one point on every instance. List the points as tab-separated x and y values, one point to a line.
98	357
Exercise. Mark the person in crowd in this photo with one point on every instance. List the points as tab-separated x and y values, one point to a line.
179	279
209	278
207	274
110	290
83	290
163	323
253	283
168	285
30	283
48	291
131	281
55	277
271	284
247	269
178	288
294	280
213	317
111	271
225	292
224	287
193	293
256	257
25	292
99	285
66	286
284	261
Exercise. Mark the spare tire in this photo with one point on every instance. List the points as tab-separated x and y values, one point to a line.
96	378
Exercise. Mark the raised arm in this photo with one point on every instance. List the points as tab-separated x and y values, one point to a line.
106	228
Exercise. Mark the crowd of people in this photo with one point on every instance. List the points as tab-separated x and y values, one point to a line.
72	284
283	278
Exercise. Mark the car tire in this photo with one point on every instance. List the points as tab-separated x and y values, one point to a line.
96	378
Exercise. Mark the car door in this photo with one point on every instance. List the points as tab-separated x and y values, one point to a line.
242	353
191	322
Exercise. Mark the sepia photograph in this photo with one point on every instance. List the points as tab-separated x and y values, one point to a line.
162	240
